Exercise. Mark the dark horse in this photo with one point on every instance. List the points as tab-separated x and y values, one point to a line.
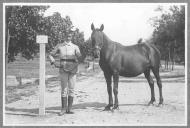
129	61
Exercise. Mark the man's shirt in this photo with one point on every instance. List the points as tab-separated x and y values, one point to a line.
66	51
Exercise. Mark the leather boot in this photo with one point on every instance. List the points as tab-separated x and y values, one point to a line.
64	105
70	103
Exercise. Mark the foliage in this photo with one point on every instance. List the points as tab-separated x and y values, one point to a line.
88	47
25	22
78	39
85	46
21	26
169	32
57	29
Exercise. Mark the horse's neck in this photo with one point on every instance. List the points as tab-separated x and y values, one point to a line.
108	46
107	43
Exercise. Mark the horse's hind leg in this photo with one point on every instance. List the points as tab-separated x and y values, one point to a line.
159	83
151	84
108	77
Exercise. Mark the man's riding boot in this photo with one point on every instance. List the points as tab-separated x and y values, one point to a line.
70	103
64	105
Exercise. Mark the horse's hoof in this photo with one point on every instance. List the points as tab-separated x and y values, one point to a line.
61	113
107	109
151	103
70	112
160	104
116	107
112	110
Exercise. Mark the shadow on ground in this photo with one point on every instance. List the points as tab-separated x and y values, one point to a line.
52	110
55	110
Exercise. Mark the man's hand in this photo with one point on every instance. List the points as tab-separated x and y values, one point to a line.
52	63
52	60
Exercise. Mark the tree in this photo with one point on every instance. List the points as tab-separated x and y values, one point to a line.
88	47
22	25
57	28
78	39
169	33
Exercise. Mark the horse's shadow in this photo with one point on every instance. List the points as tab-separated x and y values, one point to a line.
52	110
55	110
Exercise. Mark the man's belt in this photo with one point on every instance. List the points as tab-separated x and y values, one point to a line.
68	60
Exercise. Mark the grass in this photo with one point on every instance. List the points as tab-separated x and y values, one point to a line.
30	69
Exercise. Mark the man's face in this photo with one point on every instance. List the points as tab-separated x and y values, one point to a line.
69	38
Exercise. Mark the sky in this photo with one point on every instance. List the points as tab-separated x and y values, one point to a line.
123	22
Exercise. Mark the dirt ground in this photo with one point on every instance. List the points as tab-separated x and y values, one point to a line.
91	97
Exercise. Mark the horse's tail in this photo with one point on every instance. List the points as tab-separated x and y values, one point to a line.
157	51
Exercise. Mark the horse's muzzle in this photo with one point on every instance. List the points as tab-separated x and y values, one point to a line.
96	54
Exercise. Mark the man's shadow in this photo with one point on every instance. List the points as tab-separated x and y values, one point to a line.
53	110
34	112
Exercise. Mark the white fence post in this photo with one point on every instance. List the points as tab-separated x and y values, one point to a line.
42	39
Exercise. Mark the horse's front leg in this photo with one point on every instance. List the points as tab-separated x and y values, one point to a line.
115	90
109	89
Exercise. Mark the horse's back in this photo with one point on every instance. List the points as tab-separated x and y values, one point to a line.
131	60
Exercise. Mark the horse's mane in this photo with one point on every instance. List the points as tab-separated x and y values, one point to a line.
105	36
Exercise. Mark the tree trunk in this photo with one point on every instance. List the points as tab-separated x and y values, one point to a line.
166	62
7	46
93	65
6	52
169	58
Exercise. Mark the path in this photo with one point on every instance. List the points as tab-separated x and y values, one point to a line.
91	98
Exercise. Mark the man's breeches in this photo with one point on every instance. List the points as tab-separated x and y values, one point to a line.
67	84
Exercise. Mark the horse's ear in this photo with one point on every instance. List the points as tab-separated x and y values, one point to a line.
92	26
139	41
102	27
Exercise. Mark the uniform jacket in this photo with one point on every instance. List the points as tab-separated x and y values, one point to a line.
66	51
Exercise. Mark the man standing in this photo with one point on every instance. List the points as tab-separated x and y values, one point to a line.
68	55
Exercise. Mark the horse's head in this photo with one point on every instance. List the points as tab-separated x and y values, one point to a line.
97	40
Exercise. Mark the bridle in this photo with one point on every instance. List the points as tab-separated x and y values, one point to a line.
100	45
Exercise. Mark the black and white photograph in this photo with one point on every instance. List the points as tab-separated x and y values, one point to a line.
95	64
